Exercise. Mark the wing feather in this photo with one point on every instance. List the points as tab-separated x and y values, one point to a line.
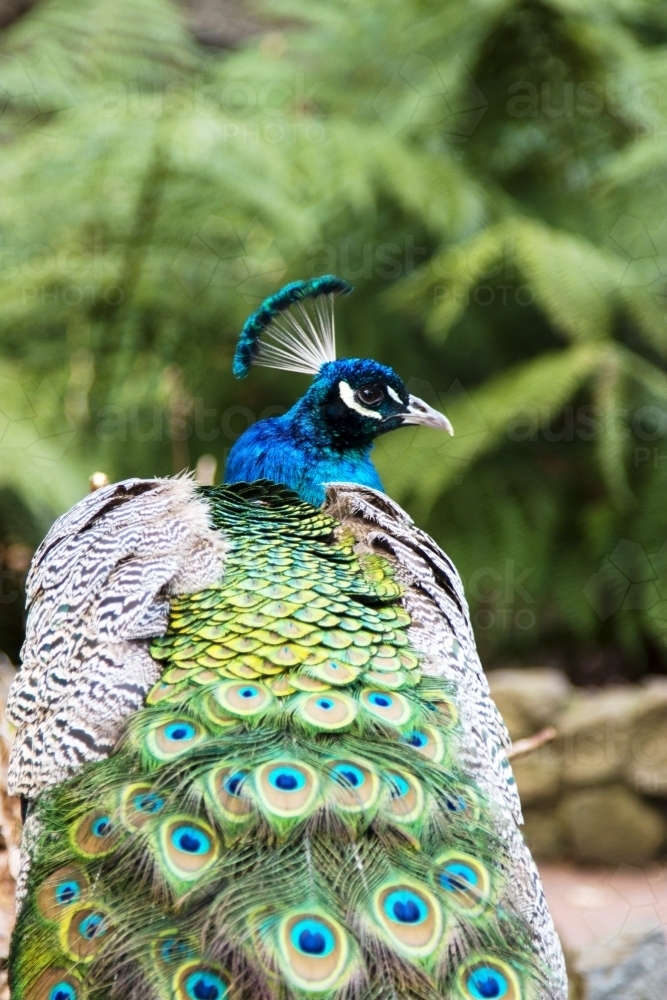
98	591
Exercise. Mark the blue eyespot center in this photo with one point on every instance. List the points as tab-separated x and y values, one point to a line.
348	774
313	937
455	804
148	803
67	892
190	840
102	826
405	907
179	731
416	739
312	942
399	786
233	783
62	991
486	983
287	779
381	700
175	949
92	926
205	986
248	692
325	703
458	877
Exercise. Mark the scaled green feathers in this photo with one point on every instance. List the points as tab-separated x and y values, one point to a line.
286	816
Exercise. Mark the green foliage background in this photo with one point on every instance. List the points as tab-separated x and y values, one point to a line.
492	176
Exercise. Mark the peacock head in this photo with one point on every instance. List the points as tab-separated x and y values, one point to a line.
328	433
354	399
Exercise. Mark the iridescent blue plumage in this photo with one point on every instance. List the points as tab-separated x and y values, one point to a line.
322	439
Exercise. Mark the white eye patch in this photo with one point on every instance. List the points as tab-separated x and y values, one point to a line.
394	395
347	395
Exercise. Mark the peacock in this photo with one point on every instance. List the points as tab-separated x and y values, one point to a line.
257	754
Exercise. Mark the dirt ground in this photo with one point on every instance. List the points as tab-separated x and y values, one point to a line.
592	906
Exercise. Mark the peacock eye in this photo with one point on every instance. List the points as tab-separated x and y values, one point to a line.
370	395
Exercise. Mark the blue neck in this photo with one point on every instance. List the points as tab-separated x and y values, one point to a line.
295	450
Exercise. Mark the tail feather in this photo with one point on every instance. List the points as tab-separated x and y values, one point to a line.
264	833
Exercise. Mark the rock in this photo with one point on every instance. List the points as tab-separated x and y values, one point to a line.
544	834
646	768
528	699
538	774
595	734
633	967
611	825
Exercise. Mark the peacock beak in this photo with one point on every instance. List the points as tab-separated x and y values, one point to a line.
420	412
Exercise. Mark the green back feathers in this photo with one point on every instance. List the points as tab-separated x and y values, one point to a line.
286	817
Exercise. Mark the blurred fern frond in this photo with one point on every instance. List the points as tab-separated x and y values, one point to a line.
490	176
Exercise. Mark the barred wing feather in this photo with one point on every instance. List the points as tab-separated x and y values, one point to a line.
98	590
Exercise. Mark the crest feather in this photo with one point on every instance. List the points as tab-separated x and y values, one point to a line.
292	330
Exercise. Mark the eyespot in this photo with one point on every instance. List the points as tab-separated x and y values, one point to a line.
312	937
191	840
83	933
286	789
92	926
426	741
95	834
466	880
175	950
488	978
314	952
54	984
380	700
62	991
286	779
63	888
101	827
233	783
370	395
328	712
205	986
457	877
243	699
391	708
169	739
348	774
67	892
194	982
410	918
357	785
227	787
179	731
405	801
188	847
416	739
405	907
148	803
